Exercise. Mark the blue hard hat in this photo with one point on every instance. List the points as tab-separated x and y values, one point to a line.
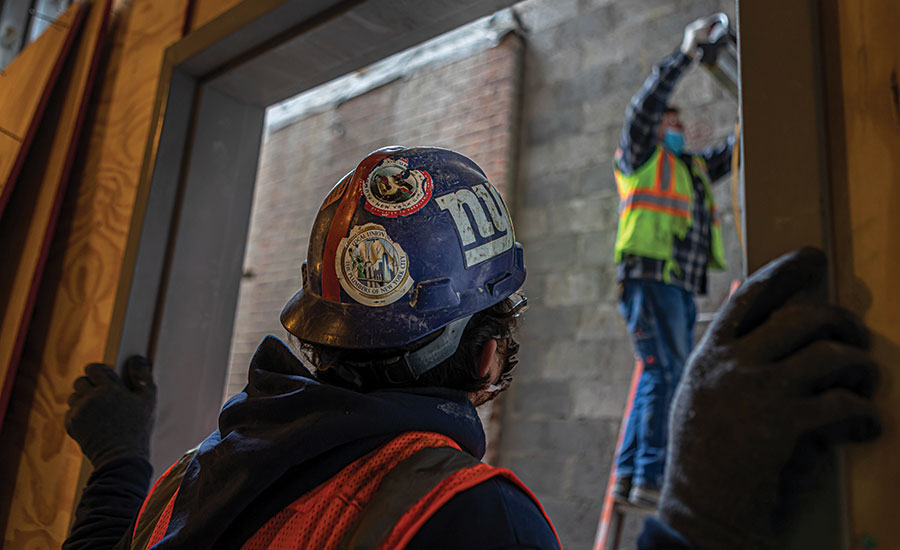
411	241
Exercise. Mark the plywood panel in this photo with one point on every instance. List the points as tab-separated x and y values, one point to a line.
38	462
25	87
867	227
27	227
205	11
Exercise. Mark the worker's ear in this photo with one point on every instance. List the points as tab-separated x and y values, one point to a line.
487	357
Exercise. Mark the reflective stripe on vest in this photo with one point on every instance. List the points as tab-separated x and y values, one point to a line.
656	206
379	501
663	197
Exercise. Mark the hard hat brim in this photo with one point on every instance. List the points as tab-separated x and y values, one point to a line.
315	320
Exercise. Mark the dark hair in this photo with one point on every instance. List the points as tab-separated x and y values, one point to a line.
672	109
459	371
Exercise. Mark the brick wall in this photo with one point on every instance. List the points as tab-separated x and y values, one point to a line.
468	106
584	60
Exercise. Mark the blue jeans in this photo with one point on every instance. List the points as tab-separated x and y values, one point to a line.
660	319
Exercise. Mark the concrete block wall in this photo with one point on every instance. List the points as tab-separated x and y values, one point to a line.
468	105
584	60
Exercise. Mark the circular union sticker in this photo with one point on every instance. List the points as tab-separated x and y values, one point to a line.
372	268
392	189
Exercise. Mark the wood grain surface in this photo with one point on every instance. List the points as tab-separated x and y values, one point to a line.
867	227
203	12
25	87
40	464
27	227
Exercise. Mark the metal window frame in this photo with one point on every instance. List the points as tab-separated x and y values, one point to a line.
208	120
181	271
789	139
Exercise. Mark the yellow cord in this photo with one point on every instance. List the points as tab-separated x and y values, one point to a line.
735	203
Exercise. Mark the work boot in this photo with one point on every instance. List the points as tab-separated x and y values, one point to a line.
644	496
621	488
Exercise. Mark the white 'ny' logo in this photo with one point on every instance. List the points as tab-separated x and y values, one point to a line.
498	223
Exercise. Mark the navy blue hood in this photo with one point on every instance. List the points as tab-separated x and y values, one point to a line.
286	433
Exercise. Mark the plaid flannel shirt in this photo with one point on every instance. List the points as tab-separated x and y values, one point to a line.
637	144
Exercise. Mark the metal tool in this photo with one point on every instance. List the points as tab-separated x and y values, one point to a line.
720	55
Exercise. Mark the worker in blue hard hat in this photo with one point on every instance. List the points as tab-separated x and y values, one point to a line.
405	323
668	238
378	447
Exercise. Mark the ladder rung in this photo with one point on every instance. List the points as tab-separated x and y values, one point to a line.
706	317
625	508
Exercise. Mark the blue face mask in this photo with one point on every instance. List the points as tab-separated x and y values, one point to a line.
673	140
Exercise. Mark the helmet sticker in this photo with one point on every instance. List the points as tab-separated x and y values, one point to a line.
495	230
372	269
392	189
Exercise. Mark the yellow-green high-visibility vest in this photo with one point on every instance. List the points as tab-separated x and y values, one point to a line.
655	206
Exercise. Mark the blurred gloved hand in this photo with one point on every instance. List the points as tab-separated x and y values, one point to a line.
696	33
112	417
778	378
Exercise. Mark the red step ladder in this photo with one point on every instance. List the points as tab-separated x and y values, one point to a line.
609	531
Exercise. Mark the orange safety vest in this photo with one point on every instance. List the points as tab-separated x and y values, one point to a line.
379	501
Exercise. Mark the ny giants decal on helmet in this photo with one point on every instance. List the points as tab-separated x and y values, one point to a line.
372	269
481	196
392	189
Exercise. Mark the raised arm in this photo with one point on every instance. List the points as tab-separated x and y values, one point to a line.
111	419
645	111
718	158
109	504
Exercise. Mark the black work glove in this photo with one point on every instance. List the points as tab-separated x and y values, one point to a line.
778	375
112	417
